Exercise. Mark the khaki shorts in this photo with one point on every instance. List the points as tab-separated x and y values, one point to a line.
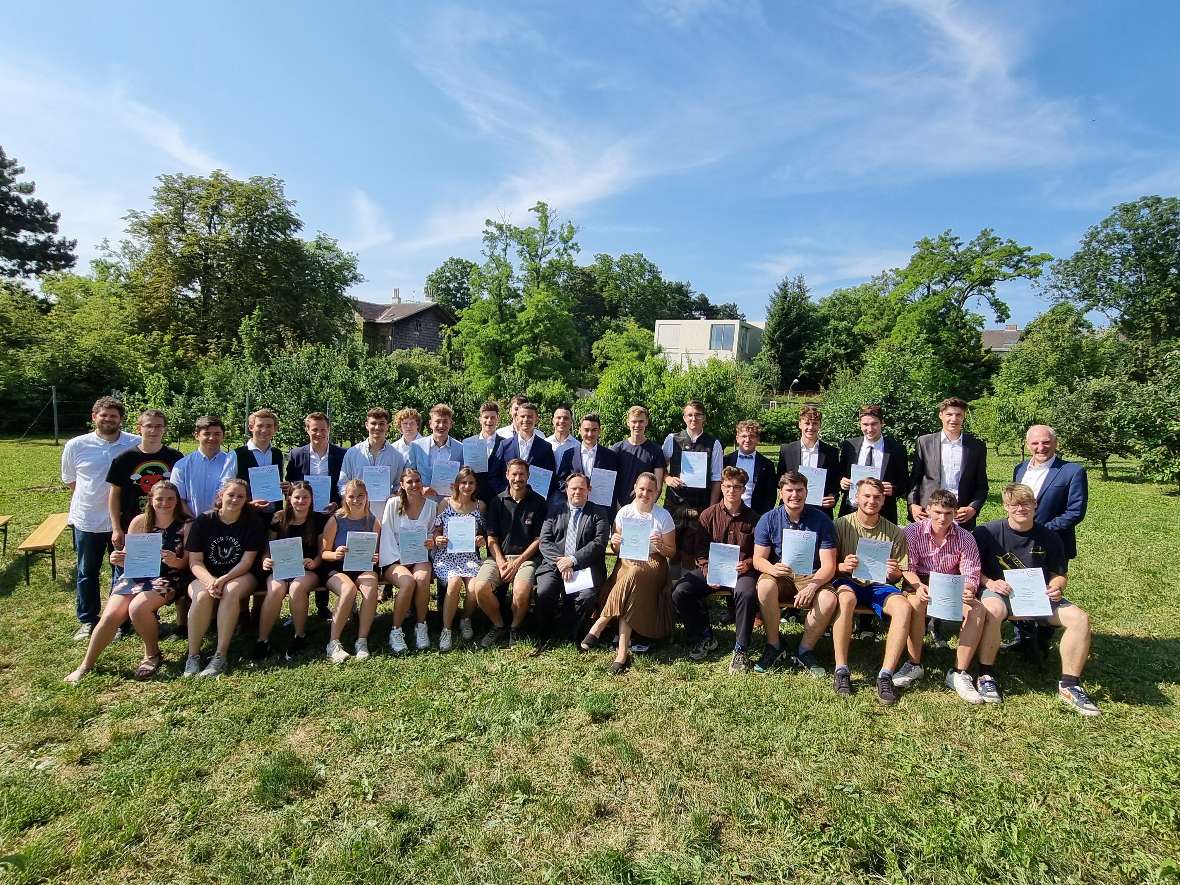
788	587
489	572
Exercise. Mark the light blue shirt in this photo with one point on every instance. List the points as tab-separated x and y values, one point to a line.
423	454
359	457
198	478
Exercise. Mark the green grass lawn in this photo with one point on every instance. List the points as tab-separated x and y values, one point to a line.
501	767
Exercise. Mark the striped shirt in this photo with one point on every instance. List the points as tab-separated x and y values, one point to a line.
958	554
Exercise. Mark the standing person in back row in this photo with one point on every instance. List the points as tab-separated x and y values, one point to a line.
811	451
874	449
526	444
375	451
562	438
951	460
319	457
428	451
694	470
258	452
760	492
198	474
635	455
135	471
85	464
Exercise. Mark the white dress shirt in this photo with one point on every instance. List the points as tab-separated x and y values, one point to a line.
952	462
317	465
588	456
1035	476
808	457
85	461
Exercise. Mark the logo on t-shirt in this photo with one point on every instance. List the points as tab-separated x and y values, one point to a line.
147	474
225	551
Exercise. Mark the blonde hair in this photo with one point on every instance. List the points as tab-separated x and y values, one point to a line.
233	481
1018	493
354	485
636	411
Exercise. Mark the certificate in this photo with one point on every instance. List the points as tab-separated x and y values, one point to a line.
475	454
412	544
871	560
723	562
442	476
1029	597
602	486
799	551
264	483
460	532
321	490
141	555
946	596
582	580
636	539
540	479
287	558
859	472
694	469
376	480
817	479
361	547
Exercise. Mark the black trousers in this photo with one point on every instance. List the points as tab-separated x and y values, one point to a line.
560	613
745	609
690	599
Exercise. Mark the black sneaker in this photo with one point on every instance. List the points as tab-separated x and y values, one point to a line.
886	693
261	651
740	663
806	661
324	614
770	657
842	683
298	643
701	650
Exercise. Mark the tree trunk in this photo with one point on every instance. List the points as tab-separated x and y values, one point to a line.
1105	472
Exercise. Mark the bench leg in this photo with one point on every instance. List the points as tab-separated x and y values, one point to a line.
26	567
53	561
5	530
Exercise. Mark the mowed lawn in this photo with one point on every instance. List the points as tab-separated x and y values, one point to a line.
502	767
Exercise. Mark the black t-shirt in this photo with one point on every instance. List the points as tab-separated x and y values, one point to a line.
311	548
1002	547
514	524
135	473
646	457
223	546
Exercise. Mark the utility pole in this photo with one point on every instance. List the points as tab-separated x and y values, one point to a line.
53	399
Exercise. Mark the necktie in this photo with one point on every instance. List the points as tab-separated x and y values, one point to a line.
869	459
571	535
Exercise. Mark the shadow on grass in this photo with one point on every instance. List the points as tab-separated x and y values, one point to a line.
12	577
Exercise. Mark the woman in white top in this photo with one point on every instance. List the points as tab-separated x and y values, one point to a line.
408	511
637	593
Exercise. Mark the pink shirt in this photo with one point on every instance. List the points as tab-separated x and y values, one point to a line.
958	553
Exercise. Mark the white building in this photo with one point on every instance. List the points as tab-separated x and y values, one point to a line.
692	342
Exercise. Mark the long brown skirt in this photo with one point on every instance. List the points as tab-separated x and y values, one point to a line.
638	591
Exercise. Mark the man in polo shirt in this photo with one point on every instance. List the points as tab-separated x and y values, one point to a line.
729	521
883	597
937	544
778	583
85	465
1020	542
198	474
514	523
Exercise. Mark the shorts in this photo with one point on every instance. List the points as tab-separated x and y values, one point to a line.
135	586
489	572
352	576
788	588
992	594
868	595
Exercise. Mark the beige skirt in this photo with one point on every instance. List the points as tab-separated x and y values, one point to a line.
638	591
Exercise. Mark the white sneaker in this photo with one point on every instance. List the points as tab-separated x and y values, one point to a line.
963	685
397	641
466	630
907	674
362	650
217	666
83	632
192	665
336	652
421	637
444	640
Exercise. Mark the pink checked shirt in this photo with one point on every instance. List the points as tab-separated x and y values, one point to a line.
957	555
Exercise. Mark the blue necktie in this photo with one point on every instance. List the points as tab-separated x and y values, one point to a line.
571	535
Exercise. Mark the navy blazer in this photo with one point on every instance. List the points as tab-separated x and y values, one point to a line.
571	462
299	465
540	455
895	469
765	481
1062	502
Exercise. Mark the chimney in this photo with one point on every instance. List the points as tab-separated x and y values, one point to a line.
1012	327
397	295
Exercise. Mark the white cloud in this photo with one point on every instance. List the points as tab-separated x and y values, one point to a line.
369	227
828	265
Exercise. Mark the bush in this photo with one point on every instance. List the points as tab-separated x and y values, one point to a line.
903	381
780	425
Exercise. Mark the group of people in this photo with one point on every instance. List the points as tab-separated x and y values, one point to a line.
519	526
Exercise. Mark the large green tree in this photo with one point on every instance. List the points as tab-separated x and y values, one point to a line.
848	322
29	245
790	328
450	283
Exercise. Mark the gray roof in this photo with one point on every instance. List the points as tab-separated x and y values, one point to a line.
1000	340
392	313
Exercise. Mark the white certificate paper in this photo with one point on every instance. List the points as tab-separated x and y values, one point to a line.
287	557
141	555
636	539
265	483
817	478
602	486
1029	596
460	531
412	544
723	562
442	476
582	580
872	559
799	551
376	480
946	596
859	472
694	469
475	454
361	547
540	479
321	490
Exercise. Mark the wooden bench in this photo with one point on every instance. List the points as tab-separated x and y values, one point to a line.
44	540
4	531
725	593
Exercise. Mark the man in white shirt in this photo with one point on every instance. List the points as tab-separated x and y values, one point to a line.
513	407
85	463
562	438
583	457
375	451
953	460
409	422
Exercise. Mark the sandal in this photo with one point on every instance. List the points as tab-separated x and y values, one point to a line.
589	642
618	668
148	666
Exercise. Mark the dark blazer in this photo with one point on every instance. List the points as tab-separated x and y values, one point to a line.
895	469
927	473
571	462
299	466
1062	502
540	455
484	490
593	535
765	481
791	455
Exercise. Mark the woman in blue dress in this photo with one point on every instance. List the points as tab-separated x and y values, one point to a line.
456	570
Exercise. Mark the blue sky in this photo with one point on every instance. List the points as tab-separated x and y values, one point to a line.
730	142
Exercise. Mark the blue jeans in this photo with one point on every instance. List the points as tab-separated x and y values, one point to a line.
91	549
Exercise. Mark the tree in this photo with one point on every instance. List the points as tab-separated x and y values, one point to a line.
28	242
1128	269
212	250
624	341
450	284
1089	420
790	327
1150	411
847	324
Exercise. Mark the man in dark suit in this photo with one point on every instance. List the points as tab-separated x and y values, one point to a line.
1061	486
318	457
873	449
951	460
810	451
526	444
761	484
573	539
584	458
